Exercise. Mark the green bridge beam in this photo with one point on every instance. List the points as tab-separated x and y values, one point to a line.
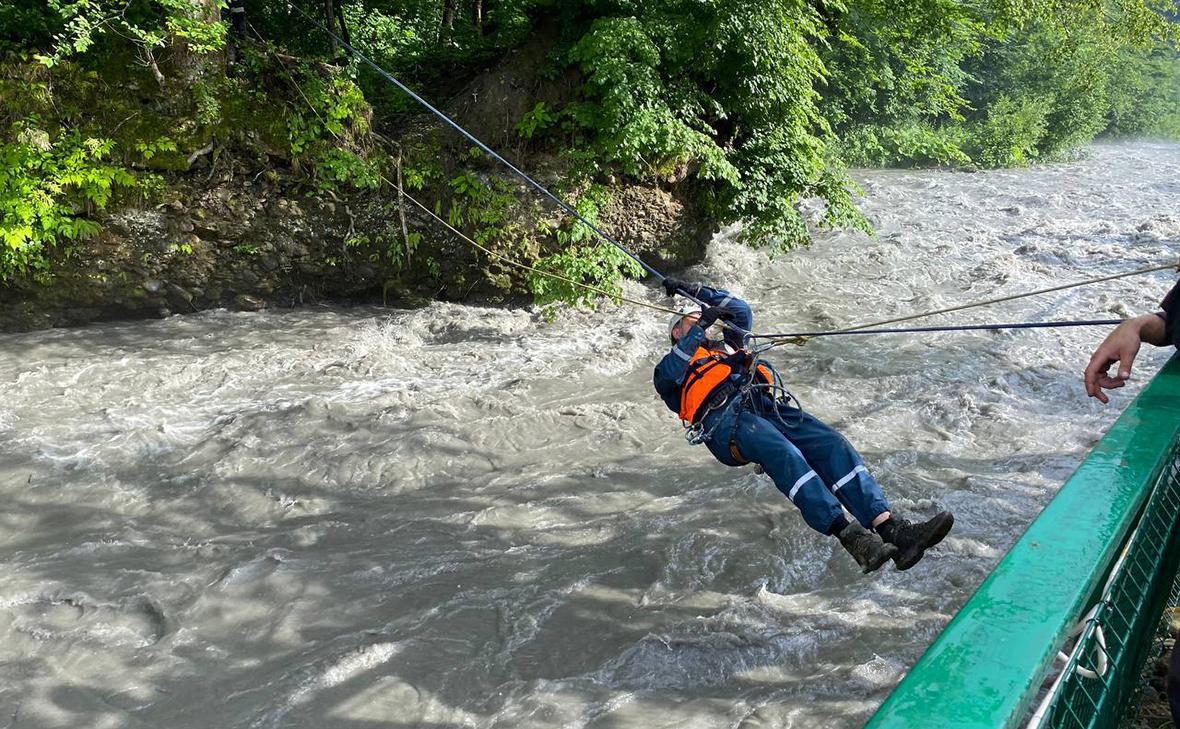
987	665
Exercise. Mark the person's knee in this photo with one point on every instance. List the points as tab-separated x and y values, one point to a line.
818	507
835	441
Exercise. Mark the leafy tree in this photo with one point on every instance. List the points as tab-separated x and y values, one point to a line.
180	29
44	182
753	105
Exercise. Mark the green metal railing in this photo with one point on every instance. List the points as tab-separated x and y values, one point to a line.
1103	553
1121	628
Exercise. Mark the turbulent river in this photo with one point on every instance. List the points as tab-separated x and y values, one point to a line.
473	517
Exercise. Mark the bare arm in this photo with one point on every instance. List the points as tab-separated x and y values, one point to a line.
1121	346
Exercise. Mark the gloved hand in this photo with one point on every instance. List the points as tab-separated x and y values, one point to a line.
712	313
674	285
741	359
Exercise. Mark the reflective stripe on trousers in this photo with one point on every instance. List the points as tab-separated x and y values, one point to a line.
810	463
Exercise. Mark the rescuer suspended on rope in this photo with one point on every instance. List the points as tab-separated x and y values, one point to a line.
737	406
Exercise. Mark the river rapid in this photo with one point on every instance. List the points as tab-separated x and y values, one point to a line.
473	517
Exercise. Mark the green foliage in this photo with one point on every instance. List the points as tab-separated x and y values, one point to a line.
588	205
584	259
46	186
597	264
335	167
1148	102
153	27
751	105
208	104
25	25
397	249
335	108
420	170
482	206
149	149
410	39
920	143
122	85
896	63
1021	81
330	128
634	120
536	120
1008	136
723	92
1047	91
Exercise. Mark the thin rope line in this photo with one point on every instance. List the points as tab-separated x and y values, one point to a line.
474	140
787	338
532	269
525	266
496	155
803	337
987	302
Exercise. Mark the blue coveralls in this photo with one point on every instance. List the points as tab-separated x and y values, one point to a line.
813	465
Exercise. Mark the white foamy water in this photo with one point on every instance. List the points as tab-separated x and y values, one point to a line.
470	517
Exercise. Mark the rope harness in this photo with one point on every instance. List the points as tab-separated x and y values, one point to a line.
752	394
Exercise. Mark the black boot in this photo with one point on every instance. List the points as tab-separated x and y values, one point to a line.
912	540
865	547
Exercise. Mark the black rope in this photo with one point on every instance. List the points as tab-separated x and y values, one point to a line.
959	328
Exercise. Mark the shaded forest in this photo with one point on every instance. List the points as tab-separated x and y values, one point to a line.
733	110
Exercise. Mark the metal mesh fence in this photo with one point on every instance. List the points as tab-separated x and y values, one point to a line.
1100	684
1156	715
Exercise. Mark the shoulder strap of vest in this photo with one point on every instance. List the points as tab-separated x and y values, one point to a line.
699	366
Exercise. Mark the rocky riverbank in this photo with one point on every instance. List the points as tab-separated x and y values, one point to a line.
256	211
1154	712
250	244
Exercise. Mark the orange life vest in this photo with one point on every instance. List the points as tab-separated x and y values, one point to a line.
705	373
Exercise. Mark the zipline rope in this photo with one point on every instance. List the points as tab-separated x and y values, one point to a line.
859	329
496	155
802	337
462	236
524	266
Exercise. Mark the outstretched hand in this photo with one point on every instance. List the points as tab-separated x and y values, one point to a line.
1120	346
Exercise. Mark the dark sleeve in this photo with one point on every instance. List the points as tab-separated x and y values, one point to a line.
1171	315
743	316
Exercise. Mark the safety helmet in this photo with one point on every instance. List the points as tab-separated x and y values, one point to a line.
677	318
